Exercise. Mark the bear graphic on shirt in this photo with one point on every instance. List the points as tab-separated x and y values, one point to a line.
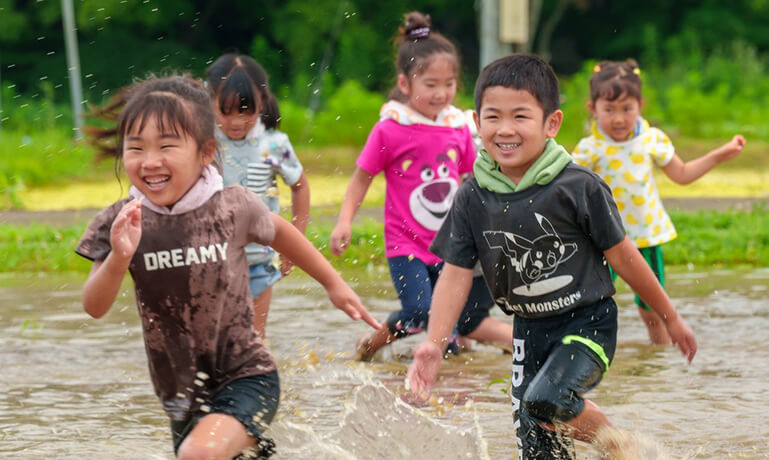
430	201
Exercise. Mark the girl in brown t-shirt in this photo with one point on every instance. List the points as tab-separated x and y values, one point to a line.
181	235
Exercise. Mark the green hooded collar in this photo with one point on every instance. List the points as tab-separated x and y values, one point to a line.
549	164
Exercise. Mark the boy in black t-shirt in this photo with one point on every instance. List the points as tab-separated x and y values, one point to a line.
541	227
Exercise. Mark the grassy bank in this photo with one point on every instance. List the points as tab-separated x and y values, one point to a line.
328	187
707	239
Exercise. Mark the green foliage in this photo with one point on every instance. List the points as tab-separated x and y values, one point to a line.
32	112
366	248
347	117
41	248
37	143
696	95
706	239
506	383
44	157
31	325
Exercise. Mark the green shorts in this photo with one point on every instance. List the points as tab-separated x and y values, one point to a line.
653	257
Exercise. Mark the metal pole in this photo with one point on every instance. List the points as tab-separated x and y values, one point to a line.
73	65
491	47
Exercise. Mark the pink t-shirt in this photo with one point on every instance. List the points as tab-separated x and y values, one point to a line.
422	165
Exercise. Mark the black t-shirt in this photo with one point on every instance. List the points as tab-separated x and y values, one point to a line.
541	249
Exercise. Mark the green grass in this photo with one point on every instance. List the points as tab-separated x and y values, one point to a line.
712	238
706	239
41	248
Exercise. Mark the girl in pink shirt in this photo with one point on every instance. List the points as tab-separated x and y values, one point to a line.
423	145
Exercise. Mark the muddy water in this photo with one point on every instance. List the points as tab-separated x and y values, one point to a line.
74	387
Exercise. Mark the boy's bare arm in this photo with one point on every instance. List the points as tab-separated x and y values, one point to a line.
449	297
630	265
686	173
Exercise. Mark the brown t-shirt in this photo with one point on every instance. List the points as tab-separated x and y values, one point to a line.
191	283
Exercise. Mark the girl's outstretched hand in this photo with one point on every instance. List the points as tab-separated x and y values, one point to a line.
424	369
126	229
340	238
732	148
345	299
683	337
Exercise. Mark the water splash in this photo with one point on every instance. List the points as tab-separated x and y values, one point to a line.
625	445
377	424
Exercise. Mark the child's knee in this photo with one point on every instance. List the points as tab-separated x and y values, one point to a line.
198	451
549	403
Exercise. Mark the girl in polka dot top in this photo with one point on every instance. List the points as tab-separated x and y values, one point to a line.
622	148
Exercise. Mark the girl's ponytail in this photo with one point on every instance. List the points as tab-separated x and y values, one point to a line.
270	110
416	43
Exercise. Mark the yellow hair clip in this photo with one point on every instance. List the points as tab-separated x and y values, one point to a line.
597	68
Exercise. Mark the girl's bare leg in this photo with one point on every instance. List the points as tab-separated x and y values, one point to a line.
215	437
492	330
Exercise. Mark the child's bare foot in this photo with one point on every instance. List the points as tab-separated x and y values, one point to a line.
363	349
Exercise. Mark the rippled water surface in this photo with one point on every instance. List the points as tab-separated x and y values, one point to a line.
74	387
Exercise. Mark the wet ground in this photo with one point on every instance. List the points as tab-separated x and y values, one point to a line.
74	387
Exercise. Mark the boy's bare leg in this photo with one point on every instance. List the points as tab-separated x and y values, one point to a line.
658	333
368	346
261	308
494	331
592	426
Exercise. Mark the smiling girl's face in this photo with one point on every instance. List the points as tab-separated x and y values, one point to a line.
434	88
162	161
616	118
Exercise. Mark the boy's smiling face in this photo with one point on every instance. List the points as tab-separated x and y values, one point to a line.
513	129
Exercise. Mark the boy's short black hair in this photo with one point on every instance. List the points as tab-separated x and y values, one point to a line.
523	72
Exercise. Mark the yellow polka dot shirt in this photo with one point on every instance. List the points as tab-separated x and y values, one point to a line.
627	167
